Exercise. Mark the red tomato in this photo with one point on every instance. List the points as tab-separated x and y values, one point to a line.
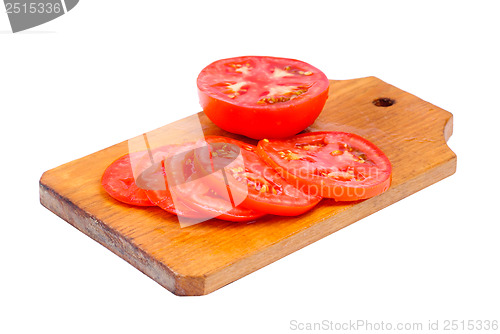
192	199
200	196
262	97
338	165
153	181
262	188
118	181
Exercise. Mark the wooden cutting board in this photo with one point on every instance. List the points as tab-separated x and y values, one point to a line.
199	259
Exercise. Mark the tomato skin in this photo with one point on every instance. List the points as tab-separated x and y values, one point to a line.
258	121
322	185
163	199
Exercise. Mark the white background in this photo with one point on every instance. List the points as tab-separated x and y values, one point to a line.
110	70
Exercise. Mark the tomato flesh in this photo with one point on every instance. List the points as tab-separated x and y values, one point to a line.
118	181
338	165
262	188
200	196
192	199
262	97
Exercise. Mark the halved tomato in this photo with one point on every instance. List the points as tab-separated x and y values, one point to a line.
262	97
262	188
338	165
118	181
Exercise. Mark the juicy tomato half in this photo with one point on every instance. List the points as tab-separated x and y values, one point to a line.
262	97
338	165
262	188
118	181
171	174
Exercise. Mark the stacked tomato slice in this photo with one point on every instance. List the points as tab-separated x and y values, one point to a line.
250	178
262	97
119	182
236	181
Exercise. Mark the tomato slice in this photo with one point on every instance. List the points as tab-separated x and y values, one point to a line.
153	181
118	181
338	165
192	199
262	97
196	193
152	178
261	186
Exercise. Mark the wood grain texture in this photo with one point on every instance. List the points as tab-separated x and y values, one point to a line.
199	259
